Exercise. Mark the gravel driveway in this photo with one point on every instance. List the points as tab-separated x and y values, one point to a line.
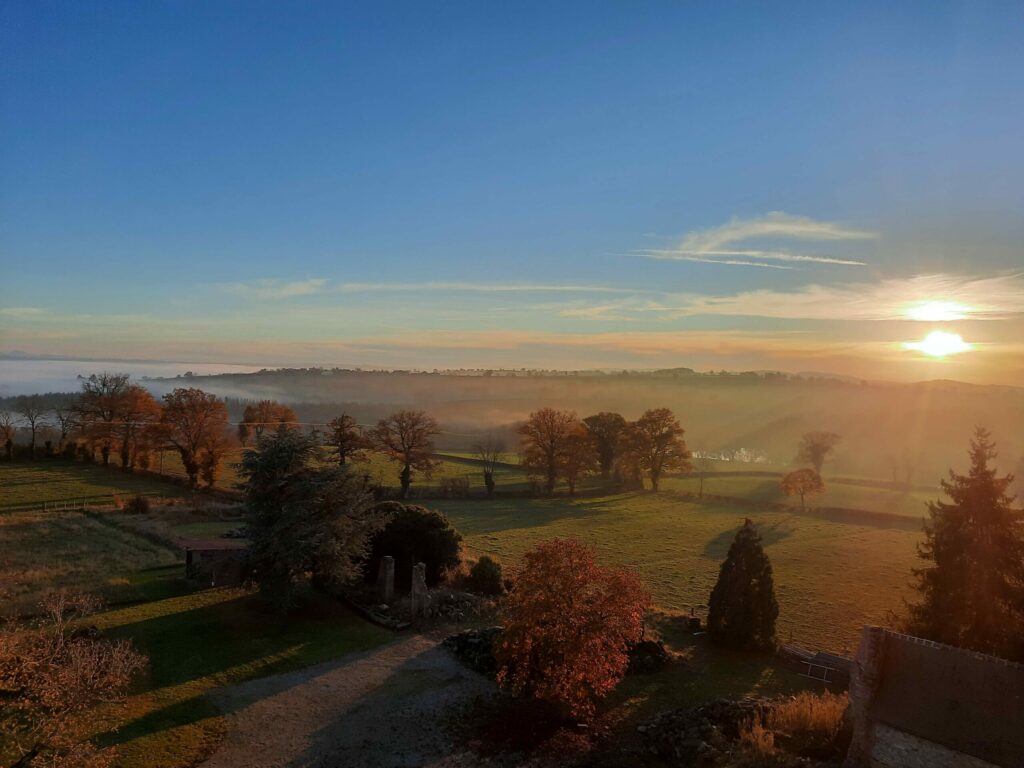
387	708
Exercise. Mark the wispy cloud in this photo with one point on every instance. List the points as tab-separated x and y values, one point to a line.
977	298
712	246
481	288
21	311
274	289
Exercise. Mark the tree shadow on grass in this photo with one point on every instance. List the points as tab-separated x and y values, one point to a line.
771	533
481	517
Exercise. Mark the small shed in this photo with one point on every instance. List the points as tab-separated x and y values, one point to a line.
221	563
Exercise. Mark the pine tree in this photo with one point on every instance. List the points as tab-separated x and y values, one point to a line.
742	609
972	591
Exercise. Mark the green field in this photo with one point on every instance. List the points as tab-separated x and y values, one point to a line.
43	551
830	577
56	481
875	498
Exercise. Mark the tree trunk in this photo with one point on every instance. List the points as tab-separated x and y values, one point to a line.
406	479
489	482
32	446
105	453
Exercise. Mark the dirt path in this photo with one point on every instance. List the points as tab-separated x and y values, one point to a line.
387	708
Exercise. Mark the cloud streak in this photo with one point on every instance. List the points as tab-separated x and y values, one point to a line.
480	288
712	246
274	289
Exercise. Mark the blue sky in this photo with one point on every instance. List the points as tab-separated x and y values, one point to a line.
593	185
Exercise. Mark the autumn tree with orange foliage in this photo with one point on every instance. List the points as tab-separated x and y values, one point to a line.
194	423
654	445
266	413
568	625
802	482
137	415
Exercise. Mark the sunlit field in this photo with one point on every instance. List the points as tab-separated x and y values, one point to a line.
830	577
42	551
61	481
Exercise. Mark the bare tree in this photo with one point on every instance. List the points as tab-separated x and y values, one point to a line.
347	438
816	447
54	675
407	437
490	452
703	464
7	431
33	410
67	422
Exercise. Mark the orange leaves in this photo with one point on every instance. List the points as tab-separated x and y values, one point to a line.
568	623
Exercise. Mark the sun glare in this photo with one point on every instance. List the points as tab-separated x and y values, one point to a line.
939	344
937	311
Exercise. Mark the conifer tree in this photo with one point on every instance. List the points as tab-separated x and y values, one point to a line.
972	589
742	609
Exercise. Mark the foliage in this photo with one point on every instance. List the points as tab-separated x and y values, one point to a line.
453	488
807	724
99	407
568	624
407	438
742	609
654	445
194	423
485	577
553	445
137	505
606	429
305	522
801	482
972	590
414	534
816	447
347	438
266	413
52	676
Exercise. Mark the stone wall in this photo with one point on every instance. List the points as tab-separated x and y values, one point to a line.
918	703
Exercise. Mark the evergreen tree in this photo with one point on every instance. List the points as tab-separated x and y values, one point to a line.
308	523
972	590
742	609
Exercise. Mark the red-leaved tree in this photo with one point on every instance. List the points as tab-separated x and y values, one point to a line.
568	624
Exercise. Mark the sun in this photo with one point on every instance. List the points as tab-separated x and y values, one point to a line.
939	344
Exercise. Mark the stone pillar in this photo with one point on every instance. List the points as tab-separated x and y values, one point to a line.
418	596
865	679
386	580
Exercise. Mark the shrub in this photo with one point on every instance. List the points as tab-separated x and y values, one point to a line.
453	488
414	534
568	625
485	577
809	723
137	505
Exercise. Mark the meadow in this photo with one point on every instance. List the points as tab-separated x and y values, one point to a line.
24	483
43	551
831	577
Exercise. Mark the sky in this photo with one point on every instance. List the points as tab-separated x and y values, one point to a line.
742	186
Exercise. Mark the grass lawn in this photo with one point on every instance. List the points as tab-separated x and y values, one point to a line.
830	577
207	639
58	480
910	503
45	551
